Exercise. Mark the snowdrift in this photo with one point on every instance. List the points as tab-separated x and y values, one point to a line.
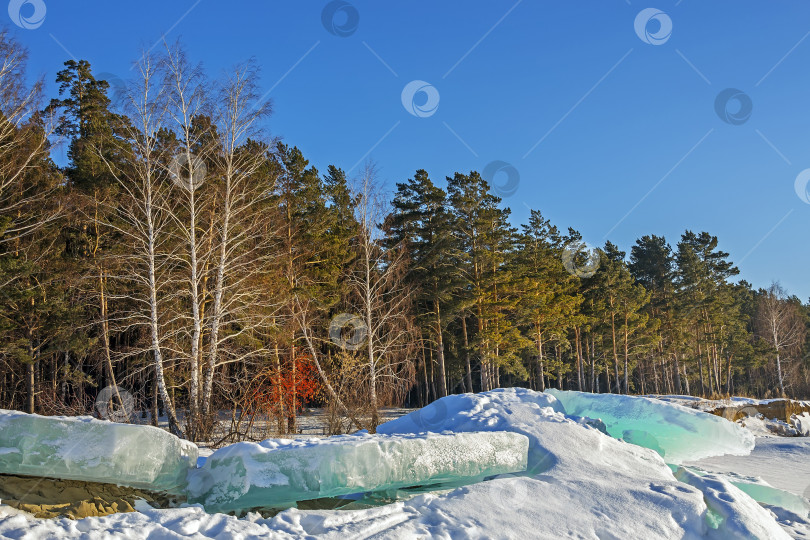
579	483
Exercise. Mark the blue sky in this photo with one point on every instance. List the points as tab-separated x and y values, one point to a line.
610	134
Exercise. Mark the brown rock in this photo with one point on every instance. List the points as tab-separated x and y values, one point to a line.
781	409
51	498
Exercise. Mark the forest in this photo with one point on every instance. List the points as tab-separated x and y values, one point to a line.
189	259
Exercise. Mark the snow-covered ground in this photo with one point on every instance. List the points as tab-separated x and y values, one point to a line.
580	483
783	462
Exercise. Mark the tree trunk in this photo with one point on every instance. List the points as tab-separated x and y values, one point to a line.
615	353
626	358
779	373
678	389
468	374
540	362
441	376
30	386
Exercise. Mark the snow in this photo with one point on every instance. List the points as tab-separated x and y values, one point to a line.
782	462
762	492
677	433
761	426
737	515
279	472
83	448
802	423
580	483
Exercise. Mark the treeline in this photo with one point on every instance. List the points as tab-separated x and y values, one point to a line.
187	259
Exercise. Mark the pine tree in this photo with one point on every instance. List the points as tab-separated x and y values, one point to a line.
421	224
652	264
550	298
95	152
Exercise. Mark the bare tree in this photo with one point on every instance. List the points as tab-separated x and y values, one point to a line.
242	249
146	222
382	298
188	108
24	136
779	322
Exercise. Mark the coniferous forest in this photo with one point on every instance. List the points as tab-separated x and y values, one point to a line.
187	258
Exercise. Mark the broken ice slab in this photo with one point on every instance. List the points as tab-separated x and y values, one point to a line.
677	433
83	448
282	472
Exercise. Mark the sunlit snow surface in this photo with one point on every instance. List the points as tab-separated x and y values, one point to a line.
580	483
83	448
677	433
280	472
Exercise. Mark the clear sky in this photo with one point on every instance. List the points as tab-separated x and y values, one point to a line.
612	126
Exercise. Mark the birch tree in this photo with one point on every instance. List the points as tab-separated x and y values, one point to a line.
242	246
187	112
383	300
779	323
146	222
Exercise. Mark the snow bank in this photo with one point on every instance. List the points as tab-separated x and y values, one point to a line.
83	448
677	433
281	472
762	492
580	483
732	513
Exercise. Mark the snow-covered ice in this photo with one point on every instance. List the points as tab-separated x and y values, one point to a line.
782	462
802	424
580	483
83	448
677	433
735	514
281	472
